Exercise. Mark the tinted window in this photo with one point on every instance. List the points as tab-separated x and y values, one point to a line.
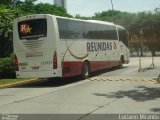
123	36
70	29
76	29
90	31
31	29
73	29
99	31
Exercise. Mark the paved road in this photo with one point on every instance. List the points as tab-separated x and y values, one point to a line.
113	91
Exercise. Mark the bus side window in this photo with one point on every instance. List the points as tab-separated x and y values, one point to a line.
123	36
96	31
70	29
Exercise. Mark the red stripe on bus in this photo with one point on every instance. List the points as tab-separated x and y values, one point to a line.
75	68
99	65
71	68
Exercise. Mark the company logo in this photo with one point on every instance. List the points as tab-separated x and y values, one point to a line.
25	28
99	46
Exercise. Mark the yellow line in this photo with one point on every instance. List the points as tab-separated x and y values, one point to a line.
19	83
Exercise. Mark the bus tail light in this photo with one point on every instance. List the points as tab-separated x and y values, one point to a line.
16	63
55	60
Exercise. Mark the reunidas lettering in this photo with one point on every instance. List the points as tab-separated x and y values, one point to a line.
99	46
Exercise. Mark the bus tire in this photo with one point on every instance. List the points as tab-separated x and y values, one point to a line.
121	62
85	70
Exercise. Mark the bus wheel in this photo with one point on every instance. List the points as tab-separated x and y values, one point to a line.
85	70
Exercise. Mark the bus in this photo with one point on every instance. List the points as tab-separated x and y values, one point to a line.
47	46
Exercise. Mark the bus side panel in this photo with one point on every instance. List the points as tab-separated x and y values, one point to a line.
99	65
72	64
72	68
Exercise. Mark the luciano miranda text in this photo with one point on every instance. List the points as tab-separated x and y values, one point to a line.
139	117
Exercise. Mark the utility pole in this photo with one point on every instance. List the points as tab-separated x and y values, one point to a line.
112	9
141	41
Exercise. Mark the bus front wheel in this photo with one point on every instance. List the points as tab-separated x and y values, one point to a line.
85	70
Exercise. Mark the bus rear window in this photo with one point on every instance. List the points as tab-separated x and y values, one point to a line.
32	29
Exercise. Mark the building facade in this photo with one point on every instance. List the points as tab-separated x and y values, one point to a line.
60	3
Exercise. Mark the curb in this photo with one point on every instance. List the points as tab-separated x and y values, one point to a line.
19	83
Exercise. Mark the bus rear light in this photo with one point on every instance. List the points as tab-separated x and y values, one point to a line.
16	63
55	60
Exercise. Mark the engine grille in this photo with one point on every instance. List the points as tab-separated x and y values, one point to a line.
33	43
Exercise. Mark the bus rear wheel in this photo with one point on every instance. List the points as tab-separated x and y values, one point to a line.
85	70
121	62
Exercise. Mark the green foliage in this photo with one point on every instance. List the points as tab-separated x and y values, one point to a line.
49	9
135	23
6	18
11	9
118	17
146	25
26	7
78	16
6	2
143	24
7	68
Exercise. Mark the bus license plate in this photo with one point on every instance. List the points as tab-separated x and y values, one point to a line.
35	68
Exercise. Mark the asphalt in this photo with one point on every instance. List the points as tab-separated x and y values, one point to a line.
116	91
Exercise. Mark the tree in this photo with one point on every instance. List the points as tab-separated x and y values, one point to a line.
6	18
9	2
120	18
8	12
148	22
49	9
6	2
78	16
26	7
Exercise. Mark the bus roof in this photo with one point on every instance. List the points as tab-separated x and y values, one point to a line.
91	21
118	26
101	22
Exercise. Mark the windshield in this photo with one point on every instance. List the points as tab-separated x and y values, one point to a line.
32	29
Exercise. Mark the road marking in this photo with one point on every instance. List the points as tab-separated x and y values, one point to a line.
125	79
19	83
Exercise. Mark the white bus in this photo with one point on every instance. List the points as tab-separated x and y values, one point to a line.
52	46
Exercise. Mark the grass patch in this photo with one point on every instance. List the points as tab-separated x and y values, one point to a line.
9	81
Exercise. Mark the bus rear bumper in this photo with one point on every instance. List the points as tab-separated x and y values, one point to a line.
39	74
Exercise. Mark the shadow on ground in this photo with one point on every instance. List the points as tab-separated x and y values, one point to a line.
97	73
51	82
156	110
57	82
140	94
